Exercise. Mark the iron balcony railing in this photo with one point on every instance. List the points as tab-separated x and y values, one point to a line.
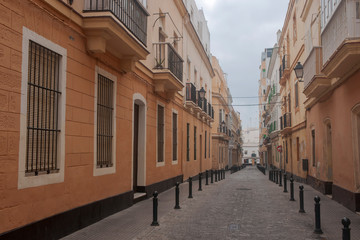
129	12
285	62
166	57
204	107
209	112
190	92
202	103
285	120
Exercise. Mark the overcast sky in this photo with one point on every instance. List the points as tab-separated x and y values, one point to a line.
240	30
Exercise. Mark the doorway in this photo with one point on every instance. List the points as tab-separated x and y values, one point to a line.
328	151
136	147
138	181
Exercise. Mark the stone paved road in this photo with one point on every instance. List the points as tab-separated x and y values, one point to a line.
243	206
246	205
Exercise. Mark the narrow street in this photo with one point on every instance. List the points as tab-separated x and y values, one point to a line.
245	205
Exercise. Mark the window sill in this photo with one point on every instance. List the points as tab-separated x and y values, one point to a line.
160	164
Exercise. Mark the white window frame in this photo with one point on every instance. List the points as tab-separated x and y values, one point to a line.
174	162
160	164
109	170
43	179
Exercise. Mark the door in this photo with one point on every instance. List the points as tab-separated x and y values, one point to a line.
136	147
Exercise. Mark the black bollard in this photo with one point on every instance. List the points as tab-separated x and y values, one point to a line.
216	174
155	210
276	176
211	176
200	175
190	187
269	174
346	230
280	178
292	189
317	216
177	196
224	174
207	176
301	196
219	171
285	182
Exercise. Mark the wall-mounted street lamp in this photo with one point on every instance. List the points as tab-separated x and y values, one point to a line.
202	93
299	72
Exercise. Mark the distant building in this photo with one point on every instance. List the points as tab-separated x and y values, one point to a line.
251	146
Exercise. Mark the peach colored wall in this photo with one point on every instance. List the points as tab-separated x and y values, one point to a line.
193	167
337	107
80	186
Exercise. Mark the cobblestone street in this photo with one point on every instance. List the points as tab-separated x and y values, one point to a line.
245	205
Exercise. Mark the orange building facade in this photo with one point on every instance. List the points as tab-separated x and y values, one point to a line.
97	108
331	80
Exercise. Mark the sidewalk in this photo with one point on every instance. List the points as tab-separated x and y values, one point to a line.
331	212
245	205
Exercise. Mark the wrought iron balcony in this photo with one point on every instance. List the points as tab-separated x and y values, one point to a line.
129	12
190	92
285	122
118	27
284	69
166	57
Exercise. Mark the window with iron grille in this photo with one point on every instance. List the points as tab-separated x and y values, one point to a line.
42	110
194	143
187	142
160	134
174	137
105	111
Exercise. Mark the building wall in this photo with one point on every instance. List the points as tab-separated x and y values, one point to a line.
80	185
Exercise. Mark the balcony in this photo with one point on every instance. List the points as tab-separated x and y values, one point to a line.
191	93
168	69
285	123
341	42
284	70
315	81
118	27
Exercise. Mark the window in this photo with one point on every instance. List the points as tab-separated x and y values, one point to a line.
189	70
104	132
194	143
296	94
205	142
289	101
160	134
42	111
297	149
187	142
105	123
294	28
357	9
313	146
42	118
175	136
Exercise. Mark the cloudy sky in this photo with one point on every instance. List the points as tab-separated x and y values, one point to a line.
240	30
